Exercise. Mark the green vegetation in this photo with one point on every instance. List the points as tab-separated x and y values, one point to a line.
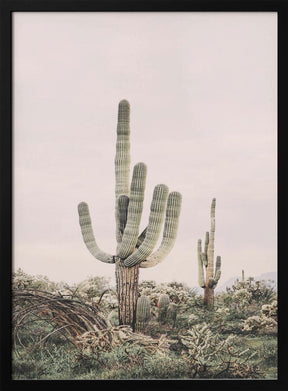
71	332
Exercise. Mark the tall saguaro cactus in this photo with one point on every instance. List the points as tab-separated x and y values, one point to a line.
207	276
133	250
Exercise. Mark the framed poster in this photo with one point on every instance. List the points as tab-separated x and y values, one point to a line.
156	128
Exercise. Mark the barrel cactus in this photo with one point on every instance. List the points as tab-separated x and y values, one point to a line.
134	250
163	303
206	262
142	313
172	313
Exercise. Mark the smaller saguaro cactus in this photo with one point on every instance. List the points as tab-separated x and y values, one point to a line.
206	262
163	303
142	313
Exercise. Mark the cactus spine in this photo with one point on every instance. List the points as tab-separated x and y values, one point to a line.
206	262
133	251
142	313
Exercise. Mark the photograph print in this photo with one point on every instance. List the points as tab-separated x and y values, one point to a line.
144	196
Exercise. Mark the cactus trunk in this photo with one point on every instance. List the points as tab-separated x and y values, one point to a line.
209	297
127	280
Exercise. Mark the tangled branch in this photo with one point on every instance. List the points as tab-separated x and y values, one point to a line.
107	339
61	315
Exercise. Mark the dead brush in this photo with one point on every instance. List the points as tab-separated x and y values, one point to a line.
107	339
66	316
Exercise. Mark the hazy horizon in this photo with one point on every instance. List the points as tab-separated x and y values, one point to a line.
203	94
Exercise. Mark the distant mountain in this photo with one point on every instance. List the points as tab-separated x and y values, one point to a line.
262	277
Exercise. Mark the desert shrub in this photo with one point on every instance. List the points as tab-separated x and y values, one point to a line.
192	320
101	362
93	286
45	362
89	290
137	366
131	363
260	323
27	368
155	329
265	322
248	295
211	356
178	293
242	298
93	342
268	352
22	280
164	367
113	318
270	310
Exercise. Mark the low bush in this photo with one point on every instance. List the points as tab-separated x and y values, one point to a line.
211	356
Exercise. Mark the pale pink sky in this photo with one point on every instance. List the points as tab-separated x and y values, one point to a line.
203	94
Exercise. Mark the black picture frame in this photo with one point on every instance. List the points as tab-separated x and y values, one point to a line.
7	9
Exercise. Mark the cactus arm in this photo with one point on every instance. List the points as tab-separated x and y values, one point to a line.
122	158
214	281
156	218
217	274
200	265
130	235
170	231
123	202
205	253
204	259
206	243
141	238
121	217
88	236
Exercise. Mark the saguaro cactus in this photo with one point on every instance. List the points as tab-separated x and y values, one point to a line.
133	250
206	262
